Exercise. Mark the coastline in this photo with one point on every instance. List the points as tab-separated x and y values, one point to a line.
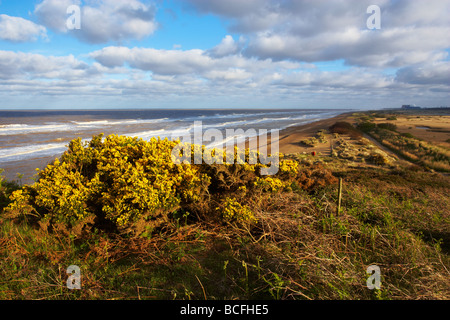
289	141
290	138
402	202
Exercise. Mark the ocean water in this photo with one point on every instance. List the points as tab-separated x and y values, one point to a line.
31	139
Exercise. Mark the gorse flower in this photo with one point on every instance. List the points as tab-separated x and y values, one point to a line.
269	184
232	210
289	166
121	179
125	180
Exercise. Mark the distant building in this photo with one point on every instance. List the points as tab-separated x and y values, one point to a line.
408	106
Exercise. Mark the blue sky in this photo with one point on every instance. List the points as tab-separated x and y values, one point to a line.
224	54
177	26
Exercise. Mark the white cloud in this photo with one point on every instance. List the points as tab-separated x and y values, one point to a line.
354	78
53	13
19	65
434	73
322	30
273	60
230	8
231	74
17	29
191	67
227	47
102	20
165	62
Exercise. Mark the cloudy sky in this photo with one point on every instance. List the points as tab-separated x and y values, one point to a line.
223	54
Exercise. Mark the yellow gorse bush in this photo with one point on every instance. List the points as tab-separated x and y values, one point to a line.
119	179
124	181
269	184
289	166
232	210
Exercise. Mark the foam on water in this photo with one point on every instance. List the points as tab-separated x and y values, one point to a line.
24	143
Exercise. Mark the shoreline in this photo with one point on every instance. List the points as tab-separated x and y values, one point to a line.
290	138
28	167
289	141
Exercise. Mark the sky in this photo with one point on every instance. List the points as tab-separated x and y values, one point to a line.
224	54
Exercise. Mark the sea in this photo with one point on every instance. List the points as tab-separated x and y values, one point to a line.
30	139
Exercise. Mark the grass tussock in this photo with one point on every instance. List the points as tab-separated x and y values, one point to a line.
247	237
360	151
319	138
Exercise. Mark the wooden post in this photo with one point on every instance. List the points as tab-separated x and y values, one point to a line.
339	196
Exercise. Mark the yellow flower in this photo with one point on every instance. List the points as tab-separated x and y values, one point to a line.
269	184
232	210
289	166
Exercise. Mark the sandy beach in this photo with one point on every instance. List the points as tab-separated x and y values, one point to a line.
431	125
290	138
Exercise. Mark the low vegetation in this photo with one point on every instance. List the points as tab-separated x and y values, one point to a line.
361	150
406	145
141	227
319	138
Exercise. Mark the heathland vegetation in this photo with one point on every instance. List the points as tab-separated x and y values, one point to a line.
141	227
425	153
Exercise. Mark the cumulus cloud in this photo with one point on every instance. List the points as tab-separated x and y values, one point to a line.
53	13
101	21
17	29
176	66
323	30
270	56
223	63
165	62
437	73
229	8
20	65
231	74
355	78
227	47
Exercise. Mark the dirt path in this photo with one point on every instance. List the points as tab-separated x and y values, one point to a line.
383	148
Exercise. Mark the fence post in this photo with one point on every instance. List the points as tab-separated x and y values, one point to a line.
339	196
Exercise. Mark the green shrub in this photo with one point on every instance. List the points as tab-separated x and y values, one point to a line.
378	159
321	136
407	135
343	127
6	188
366	126
387	126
